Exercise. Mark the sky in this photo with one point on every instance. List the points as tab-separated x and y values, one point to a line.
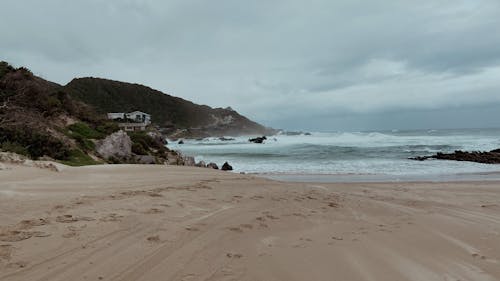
300	65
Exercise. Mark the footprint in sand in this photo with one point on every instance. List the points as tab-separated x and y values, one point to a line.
15	235
19	264
70	234
234	255
6	251
71	219
191	228
26	224
153	211
154	239
236	229
111	217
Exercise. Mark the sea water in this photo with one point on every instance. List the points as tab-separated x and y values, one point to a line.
346	154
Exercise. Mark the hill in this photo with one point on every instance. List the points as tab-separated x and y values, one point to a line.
182	118
38	118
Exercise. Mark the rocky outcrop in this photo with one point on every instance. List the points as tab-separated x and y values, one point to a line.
226	167
213	166
491	157
118	145
258	139
201	164
145	159
189	161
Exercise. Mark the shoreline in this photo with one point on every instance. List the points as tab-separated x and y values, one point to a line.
157	222
380	178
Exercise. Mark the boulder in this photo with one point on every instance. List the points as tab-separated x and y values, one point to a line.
117	144
201	164
226	167
213	166
189	161
258	139
145	159
181	142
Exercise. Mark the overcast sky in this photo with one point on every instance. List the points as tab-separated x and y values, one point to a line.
316	65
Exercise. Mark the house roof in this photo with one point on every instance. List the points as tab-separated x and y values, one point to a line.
138	112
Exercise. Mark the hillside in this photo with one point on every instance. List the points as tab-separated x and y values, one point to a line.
38	118
181	116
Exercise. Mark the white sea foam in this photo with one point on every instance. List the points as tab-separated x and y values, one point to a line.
348	153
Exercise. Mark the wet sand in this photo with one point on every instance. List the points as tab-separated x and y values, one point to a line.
137	222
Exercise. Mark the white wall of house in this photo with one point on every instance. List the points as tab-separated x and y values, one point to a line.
116	115
139	116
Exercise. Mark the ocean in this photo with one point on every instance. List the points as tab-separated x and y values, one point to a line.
345	156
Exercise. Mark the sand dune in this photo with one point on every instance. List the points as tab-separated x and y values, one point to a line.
132	222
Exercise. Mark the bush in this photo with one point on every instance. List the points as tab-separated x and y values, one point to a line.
83	130
77	157
14	147
35	144
138	149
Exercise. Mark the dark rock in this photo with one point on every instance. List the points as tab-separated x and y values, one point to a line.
307	134
213	166
201	164
492	157
226	167
181	142
258	139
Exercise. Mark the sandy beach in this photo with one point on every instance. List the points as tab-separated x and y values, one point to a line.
139	222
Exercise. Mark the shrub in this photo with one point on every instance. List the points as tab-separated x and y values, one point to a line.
34	143
138	149
83	130
14	147
77	157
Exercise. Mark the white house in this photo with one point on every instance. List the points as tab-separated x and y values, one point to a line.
139	116
133	121
116	115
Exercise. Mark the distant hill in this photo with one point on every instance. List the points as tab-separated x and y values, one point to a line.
167	111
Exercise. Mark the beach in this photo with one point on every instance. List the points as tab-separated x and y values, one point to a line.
157	222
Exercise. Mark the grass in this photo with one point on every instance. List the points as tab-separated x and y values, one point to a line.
79	158
83	130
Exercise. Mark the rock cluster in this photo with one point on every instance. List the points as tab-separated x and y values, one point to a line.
258	139
491	157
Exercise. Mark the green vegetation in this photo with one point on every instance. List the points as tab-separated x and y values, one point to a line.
14	147
142	143
83	130
5	68
34	144
79	158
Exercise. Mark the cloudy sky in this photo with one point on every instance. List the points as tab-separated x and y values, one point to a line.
317	64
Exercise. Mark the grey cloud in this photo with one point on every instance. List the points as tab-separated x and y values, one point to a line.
279	62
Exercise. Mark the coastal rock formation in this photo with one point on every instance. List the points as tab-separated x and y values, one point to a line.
213	166
226	167
145	159
258	139
201	164
492	157
189	161
117	144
